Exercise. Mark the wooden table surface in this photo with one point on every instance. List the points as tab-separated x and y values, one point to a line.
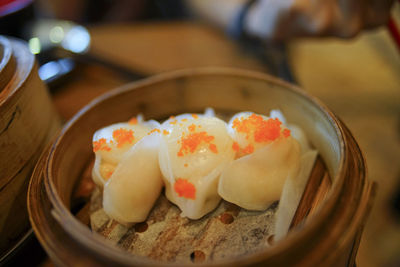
358	79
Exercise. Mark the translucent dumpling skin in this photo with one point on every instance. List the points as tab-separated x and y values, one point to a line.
266	154
112	142
200	159
255	181
194	150
136	183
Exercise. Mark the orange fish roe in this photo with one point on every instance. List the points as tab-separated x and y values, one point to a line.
108	174
165	132
194	116
192	141
248	149
268	131
242	151
133	121
185	189
286	132
153	131
101	144
192	127
235	146
123	136
184	120
261	129
213	148
173	122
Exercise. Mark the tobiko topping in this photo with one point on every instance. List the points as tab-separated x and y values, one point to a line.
262	130
153	131
235	146
123	136
133	121
108	174
101	144
185	189
190	143
248	149
192	127
286	132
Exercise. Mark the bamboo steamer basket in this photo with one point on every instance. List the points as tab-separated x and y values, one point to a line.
27	123
330	216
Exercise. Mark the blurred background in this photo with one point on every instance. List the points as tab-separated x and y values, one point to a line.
87	47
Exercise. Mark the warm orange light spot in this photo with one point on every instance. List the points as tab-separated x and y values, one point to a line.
192	127
165	132
185	189
190	142
153	131
260	129
101	144
195	116
213	148
173	122
133	121
185	165
184	120
123	136
235	146
286	132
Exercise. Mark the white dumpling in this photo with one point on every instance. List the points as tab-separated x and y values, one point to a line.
266	154
291	194
112	142
194	150
136	183
294	186
295	131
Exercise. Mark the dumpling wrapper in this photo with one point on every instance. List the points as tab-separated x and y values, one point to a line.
267	156
293	189
191	177
255	181
136	183
291	194
109	151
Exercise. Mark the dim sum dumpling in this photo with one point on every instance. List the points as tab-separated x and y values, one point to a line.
112	142
291	194
295	131
266	154
136	183
294	186
194	150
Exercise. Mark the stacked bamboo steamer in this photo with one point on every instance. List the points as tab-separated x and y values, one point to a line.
27	123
